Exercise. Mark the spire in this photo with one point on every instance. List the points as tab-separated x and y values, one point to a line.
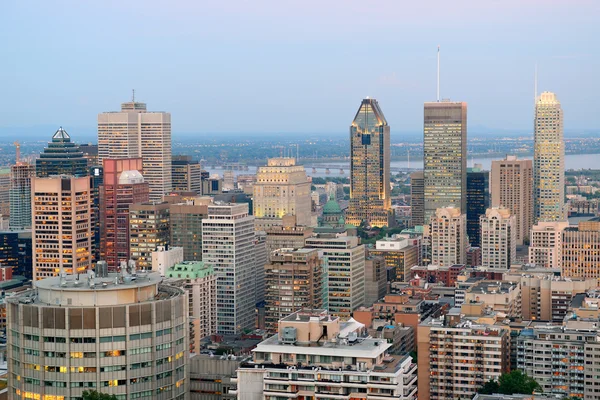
438	74
61	134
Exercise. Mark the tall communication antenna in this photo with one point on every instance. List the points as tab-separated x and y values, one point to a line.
535	84
133	95
438	74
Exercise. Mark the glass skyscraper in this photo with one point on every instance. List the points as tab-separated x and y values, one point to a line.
61	157
478	200
370	200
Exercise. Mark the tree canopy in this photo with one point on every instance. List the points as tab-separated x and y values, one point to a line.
515	382
94	395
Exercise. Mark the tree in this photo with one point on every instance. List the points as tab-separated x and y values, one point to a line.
94	395
515	382
490	387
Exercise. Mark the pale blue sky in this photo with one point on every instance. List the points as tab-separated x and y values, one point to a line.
295	66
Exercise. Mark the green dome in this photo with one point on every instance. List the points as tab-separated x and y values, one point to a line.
332	207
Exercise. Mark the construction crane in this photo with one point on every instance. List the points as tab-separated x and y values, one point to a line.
18	151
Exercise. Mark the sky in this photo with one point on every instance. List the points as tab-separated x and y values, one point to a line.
295	66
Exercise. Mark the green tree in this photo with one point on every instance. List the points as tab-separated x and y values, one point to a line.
515	382
490	387
94	395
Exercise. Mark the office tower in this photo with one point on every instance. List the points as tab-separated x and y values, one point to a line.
4	192
293	281
186	228
483	356
545	244
375	279
288	235
148	231
401	253
282	188
512	187
212	186
417	198
498	238
15	252
123	185
581	250
478	200
344	263
185	175
123	337
549	160
261	258
227	245
133	132
96	173
61	157
329	365
201	285
228	180
20	195
370	200
90	153
448	237
61	229
445	156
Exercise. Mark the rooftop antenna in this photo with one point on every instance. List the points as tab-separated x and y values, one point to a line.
438	74
535	84
133	95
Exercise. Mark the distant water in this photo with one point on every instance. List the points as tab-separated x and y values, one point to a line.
572	161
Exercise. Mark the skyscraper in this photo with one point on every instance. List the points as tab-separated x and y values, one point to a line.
549	160
20	195
148	230
370	200
61	157
448	237
62	233
4	192
581	250
186	228
417	198
134	132
186	175
478	200
445	156
498	238
512	187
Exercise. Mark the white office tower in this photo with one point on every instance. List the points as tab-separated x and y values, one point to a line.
228	245
498	238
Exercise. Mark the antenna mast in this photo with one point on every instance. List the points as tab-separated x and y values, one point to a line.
438	74
133	95
535	84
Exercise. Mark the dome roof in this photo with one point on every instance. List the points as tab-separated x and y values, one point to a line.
332	207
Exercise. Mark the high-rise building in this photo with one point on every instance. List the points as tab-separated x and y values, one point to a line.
478	200
581	250
61	157
344	263
545	244
134	132
282	188
123	185
328	364
4	192
549	160
148	231
445	156
512	187
498	238
96	173
401	253
186	228
375	279
20	195
448	237
15	252
370	199
186	175
417	198
287	236
293	281
61	229
123	337
227	245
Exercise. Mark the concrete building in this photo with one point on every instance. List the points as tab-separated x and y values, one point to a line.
122	186
20	195
282	188
549	160
261	258
344	261
545	244
227	245
581	250
134	132
370	198
214	378
445	156
445	276
417	198
186	175
478	200
401	253
186	227
501	296
148	231
4	192
167	257
287	236
375	279
294	280
512	187
498	238
122	337
61	157
448	237
332	359
61	231
201	286
401	337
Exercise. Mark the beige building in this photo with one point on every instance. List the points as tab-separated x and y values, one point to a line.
498	238
502	296
118	335
288	235
549	160
545	245
62	227
315	355
282	188
581	250
148	231
375	279
134	132
448	237
512	187
445	156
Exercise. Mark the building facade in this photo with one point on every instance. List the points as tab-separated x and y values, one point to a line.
545	244
478	200
61	157
417	198
20	195
186	228
448	237
498	238
581	250
186	175
148	231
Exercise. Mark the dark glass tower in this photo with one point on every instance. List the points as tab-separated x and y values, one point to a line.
478	200
61	157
